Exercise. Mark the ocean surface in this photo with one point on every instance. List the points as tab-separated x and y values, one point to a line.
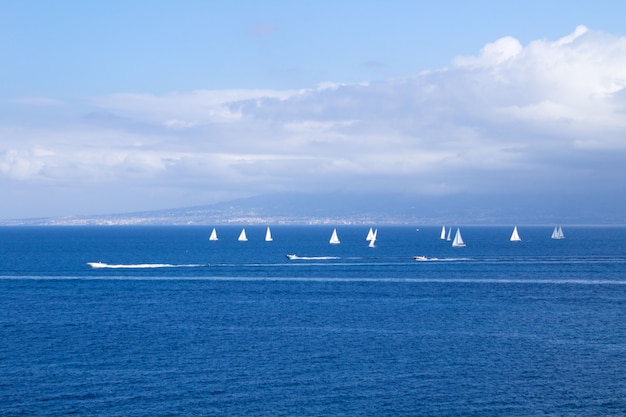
172	324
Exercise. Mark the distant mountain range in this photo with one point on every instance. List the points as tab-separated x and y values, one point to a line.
345	208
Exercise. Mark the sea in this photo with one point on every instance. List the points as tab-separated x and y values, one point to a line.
169	323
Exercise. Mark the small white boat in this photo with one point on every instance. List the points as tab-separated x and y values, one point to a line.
370	235
334	239
373	239
97	264
291	256
420	258
443	233
515	236
458	240
213	235
242	236
557	233
268	235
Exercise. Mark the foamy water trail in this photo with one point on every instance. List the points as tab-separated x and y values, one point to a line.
103	265
311	258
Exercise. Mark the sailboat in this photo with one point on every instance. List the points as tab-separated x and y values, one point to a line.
268	235
334	239
370	235
557	233
242	236
449	233
373	239
213	235
458	240
443	233
515	236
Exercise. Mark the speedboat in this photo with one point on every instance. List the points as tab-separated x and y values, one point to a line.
420	258
292	256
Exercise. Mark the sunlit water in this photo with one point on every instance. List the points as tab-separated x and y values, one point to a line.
169	323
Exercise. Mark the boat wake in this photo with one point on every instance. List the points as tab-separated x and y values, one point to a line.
310	258
141	266
420	258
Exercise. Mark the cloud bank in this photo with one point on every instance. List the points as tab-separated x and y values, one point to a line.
547	117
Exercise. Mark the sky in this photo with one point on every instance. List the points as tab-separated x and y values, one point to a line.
120	106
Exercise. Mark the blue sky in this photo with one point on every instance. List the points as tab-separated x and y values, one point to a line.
135	105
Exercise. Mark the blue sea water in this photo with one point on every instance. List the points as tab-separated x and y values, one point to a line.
174	324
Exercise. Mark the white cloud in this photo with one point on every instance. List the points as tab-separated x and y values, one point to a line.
579	31
19	165
493	54
495	121
200	106
179	124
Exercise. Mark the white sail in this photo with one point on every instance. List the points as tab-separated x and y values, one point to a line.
458	240
268	235
515	236
557	233
242	236
370	235
443	232
213	235
373	239
449	233
334	239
